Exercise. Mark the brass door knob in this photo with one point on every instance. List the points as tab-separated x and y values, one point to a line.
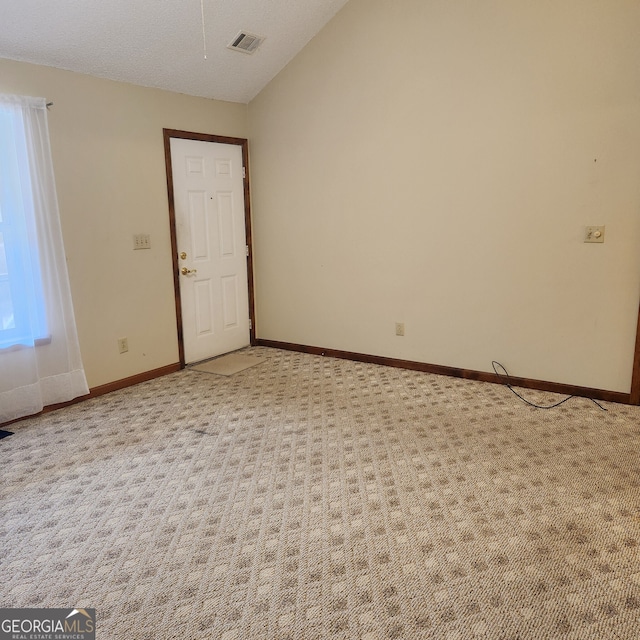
185	272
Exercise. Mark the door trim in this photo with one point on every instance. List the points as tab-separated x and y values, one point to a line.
206	137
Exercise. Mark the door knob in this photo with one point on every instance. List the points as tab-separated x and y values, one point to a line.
185	272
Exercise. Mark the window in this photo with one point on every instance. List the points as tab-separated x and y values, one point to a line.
22	312
40	361
7	317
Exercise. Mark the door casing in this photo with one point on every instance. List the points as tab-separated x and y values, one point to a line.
205	137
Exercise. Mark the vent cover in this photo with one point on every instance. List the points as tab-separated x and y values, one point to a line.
246	42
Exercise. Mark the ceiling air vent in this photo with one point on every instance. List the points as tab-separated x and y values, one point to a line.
246	42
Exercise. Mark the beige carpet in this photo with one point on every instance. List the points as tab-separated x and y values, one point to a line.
229	364
313	498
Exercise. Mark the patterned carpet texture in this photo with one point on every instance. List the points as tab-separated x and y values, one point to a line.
311	497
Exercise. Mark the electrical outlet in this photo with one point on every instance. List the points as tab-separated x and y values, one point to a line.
594	234
142	241
399	328
123	345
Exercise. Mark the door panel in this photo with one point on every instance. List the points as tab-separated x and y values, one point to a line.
198	232
230	301
227	225
208	191
203	300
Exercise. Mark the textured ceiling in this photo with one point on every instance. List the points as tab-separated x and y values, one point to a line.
159	43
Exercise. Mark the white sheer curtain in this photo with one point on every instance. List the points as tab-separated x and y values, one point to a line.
40	361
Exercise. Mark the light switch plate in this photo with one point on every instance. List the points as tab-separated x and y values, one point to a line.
142	241
594	234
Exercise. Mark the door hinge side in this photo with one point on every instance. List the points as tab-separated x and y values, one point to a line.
247	250
244	173
250	324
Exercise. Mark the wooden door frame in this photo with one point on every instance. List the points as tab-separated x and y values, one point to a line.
206	137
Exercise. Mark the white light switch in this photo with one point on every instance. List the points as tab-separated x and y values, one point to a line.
142	241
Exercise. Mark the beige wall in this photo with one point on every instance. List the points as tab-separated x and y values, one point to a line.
108	156
435	163
432	163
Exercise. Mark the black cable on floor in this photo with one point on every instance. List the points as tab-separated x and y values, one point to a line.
495	364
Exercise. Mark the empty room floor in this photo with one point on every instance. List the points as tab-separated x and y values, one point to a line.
309	497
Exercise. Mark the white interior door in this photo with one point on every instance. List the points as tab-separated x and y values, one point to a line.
208	192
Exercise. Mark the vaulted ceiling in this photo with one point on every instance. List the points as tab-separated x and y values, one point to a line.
163	43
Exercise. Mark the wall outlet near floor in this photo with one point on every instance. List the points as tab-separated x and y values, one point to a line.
123	345
594	234
399	328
